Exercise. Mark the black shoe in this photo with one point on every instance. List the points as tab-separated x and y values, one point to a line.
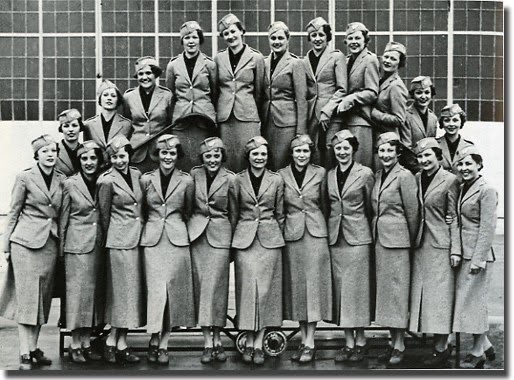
359	352
76	355
207	356
386	354
296	356
90	354
152	353
25	362
472	361
258	356
39	357
110	354
308	355
438	359
248	355
163	357
490	353
219	354
344	354
126	357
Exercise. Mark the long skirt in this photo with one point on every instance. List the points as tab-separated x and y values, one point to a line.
350	270
235	134
432	290
366	152
211	268
258	273
125	301
85	289
471	295
34	272
307	291
393	286
279	140
323	151
169	286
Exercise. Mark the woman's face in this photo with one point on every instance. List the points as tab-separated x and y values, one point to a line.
120	160
146	78
318	40
71	131
258	157
232	36
451	124
355	42
422	97
390	61
109	99
428	161
89	162
278	42
168	158
344	152
468	168
212	160
301	155
191	43
387	155
47	155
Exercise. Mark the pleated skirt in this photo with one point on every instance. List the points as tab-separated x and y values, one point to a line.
235	134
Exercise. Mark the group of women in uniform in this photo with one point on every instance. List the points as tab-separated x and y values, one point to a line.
398	231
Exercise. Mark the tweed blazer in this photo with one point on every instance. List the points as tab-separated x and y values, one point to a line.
93	130
144	126
196	94
259	216
395	208
439	201
351	210
166	213
35	210
79	223
414	129
476	212
327	86
362	88
214	212
285	93
388	112
447	163
305	207
120	208
241	91
63	163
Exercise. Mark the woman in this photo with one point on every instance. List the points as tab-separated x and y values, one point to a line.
119	201
285	105
476	212
191	77
150	108
326	86
210	230
349	191
307	294
31	246
395	225
433	282
452	120
167	201
240	77
80	243
70	125
363	77
420	121
257	242
109	123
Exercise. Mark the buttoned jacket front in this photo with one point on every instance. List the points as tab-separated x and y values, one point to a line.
166	213
240	91
415	129
395	208
304	207
285	91
447	163
214	211
35	210
260	216
63	163
196	94
388	112
120	208
350	210
144	126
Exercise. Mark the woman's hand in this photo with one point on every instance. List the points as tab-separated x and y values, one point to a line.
475	269
455	260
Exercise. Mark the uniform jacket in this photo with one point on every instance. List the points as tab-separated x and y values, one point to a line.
388	112
447	162
350	210
414	129
145	126
241	91
35	210
327	86
440	200
215	211
285	93
476	212
196	94
80	218
362	88
260	216
120	208
63	163
304	206
395	208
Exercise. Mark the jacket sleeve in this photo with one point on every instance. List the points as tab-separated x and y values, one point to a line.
259	80
408	192
300	91
279	204
18	197
393	119
64	218
451	212
341	85
488	204
104	200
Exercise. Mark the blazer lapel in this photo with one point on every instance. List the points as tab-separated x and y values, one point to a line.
219	180
173	183
323	60
281	64
156	181
245	58
353	176
156	98
81	186
199	65
359	60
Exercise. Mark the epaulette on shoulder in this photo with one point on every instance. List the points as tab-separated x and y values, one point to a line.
164	88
